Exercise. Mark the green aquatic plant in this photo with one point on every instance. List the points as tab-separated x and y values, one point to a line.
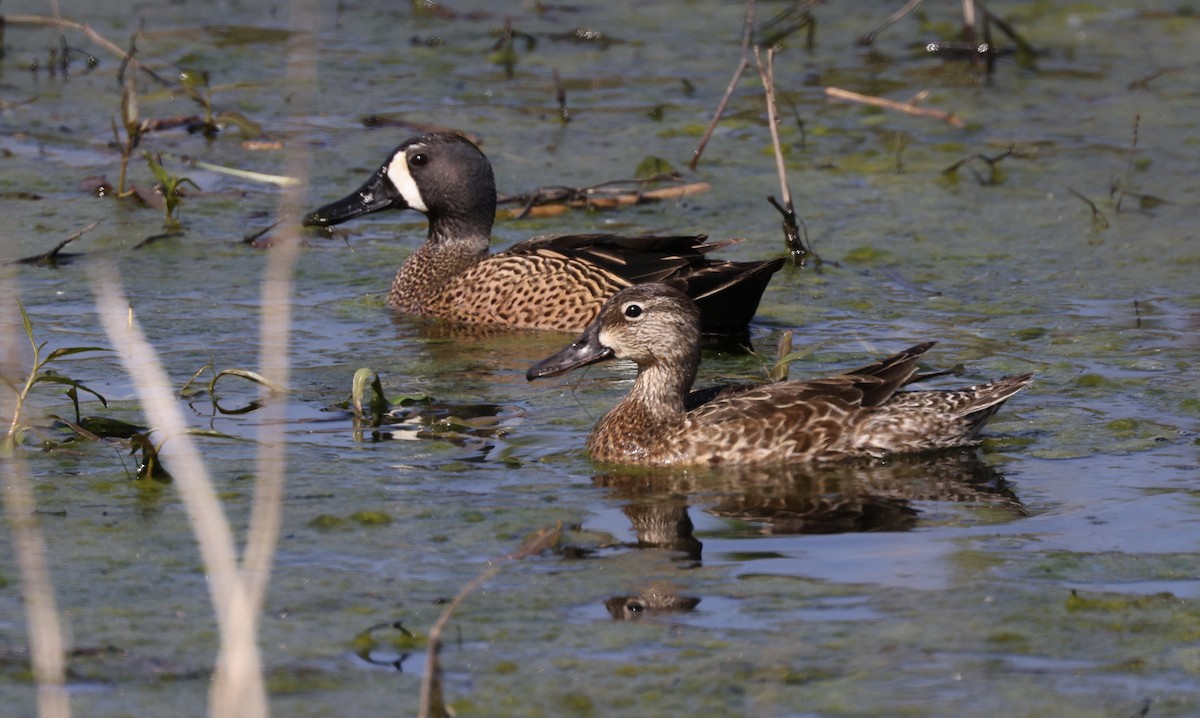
39	374
377	405
169	186
192	388
194	84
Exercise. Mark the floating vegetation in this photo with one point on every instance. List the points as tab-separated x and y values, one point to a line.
192	388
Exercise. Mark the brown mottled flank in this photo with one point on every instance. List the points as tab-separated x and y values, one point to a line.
557	282
857	414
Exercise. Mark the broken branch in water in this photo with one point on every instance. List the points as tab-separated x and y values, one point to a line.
553	201
1097	216
51	258
991	162
432	702
894	18
909	108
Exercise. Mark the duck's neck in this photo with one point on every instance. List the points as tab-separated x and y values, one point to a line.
632	429
661	388
657	397
451	249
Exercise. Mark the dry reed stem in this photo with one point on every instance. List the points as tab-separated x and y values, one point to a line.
47	644
906	107
47	647
246	694
767	72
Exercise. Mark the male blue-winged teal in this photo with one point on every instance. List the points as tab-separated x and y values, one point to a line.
556	283
857	414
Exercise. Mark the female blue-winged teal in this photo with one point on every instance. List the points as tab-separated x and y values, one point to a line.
556	283
857	414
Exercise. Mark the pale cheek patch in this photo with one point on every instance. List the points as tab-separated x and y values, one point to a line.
402	179
605	338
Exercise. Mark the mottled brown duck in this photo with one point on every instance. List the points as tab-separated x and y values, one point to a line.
555	282
857	414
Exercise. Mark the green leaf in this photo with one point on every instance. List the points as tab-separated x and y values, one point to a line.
67	351
246	374
109	427
57	379
248	127
378	403
156	167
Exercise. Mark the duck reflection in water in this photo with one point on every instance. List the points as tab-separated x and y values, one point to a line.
848	497
799	499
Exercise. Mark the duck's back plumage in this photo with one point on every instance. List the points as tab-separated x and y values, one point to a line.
560	282
855	414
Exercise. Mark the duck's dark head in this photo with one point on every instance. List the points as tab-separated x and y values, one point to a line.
650	324
443	175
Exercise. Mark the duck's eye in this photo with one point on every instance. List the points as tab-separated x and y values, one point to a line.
419	160
633	311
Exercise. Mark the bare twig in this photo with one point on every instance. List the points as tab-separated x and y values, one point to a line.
991	162
906	107
432	703
43	21
1097	216
894	18
747	32
1119	190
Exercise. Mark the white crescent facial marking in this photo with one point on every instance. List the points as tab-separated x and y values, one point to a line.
402	180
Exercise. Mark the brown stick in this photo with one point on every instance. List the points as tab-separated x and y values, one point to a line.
622	200
1119	191
838	93
43	21
747	32
892	20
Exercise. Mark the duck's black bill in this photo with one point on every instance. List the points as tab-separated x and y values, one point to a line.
373	196
585	350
